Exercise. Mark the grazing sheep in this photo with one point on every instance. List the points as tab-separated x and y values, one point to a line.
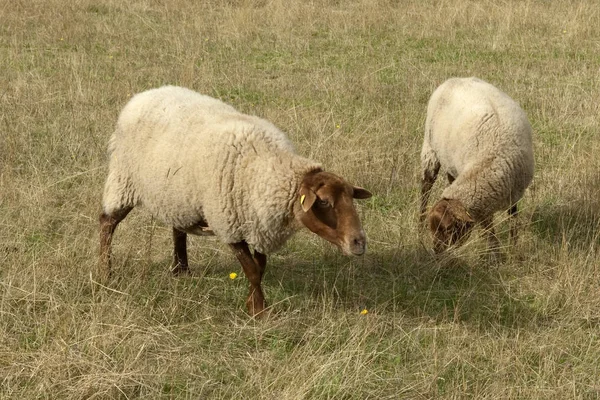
482	139
203	168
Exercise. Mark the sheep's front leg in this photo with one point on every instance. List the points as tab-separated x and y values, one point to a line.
253	269
180	260
431	167
493	243
490	233
108	224
261	261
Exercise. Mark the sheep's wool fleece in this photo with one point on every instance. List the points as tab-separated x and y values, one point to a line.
482	138
189	159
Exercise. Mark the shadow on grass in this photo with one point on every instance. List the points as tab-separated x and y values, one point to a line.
409	281
414	283
576	222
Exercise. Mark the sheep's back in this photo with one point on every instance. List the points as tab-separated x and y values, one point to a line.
469	119
483	138
180	150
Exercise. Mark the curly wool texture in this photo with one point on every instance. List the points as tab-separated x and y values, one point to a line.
190	159
482	138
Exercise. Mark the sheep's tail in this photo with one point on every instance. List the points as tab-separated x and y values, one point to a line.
112	144
118	189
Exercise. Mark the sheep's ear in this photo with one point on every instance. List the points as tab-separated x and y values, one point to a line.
469	219
307	198
463	215
361	193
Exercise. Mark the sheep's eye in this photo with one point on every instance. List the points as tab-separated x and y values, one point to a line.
322	203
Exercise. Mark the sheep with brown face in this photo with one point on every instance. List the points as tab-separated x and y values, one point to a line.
203	168
482	139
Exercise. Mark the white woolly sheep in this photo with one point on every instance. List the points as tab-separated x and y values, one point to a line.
482	139
203	168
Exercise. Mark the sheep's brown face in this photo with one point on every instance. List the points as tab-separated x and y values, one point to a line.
449	224
328	210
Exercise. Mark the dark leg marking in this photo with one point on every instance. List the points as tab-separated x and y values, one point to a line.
514	224
260	260
429	177
450	178
108	224
253	269
180	260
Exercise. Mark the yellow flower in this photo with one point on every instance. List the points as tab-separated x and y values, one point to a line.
364	312
338	126
232	275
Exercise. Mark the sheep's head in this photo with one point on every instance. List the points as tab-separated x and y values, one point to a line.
449	223
327	209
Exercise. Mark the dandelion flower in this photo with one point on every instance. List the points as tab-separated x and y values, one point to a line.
364	312
232	275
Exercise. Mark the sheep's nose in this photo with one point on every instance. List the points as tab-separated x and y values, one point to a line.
358	245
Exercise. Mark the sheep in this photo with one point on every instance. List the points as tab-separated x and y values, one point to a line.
204	168
482	139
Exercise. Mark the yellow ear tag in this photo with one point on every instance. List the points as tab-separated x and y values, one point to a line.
302	199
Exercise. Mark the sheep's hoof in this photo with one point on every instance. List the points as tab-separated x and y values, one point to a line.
101	275
264	314
257	307
495	257
180	270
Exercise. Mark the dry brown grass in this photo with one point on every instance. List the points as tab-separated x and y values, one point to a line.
349	81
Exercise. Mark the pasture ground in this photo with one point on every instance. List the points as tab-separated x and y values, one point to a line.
349	82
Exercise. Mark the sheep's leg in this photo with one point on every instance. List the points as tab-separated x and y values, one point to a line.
492	239
253	269
450	178
431	167
200	228
108	224
180	260
261	260
514	224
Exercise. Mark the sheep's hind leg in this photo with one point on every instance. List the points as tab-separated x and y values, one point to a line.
514	224
108	224
253	269
180	260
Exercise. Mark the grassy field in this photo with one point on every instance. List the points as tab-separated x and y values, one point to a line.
349	82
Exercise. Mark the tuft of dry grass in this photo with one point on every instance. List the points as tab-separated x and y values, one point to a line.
349	82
